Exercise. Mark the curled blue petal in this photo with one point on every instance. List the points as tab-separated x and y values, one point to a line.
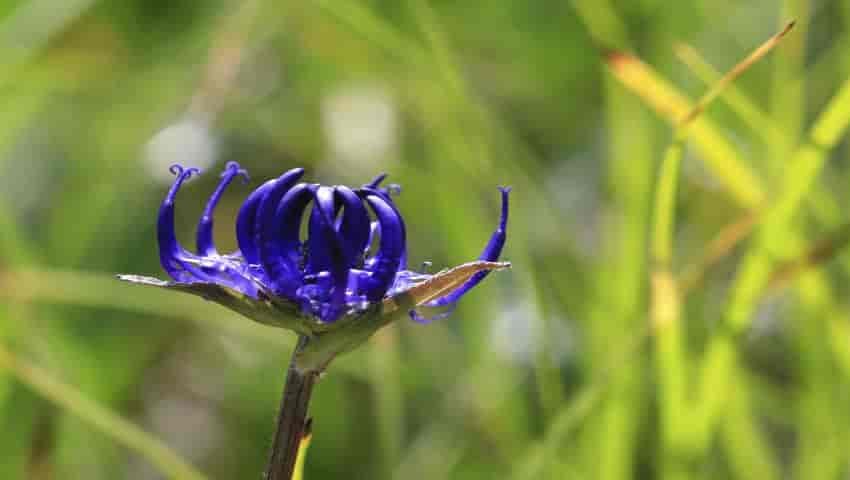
354	226
490	253
246	223
279	243
322	237
172	255
184	266
384	194
258	212
205	243
390	251
326	257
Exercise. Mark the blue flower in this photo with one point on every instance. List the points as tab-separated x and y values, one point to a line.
354	254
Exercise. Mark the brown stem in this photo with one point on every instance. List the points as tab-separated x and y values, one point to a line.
292	418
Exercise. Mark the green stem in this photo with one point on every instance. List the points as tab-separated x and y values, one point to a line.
292	418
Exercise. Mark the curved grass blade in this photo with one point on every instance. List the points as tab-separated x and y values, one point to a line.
99	417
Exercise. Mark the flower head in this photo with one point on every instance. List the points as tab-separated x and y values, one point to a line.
354	254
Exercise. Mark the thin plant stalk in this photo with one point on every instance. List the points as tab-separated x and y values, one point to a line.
806	163
292	417
671	360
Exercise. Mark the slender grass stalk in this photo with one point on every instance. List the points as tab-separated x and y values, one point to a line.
735	72
665	205
670	359
818	454
606	26
753	116
820	416
787	89
721	157
120	429
718	364
806	163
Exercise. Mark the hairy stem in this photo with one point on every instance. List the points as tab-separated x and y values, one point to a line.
292	418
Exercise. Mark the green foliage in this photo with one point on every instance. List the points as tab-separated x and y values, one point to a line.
652	325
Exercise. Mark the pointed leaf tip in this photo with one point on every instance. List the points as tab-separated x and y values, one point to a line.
142	280
440	285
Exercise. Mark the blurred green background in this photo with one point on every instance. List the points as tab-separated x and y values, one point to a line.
733	362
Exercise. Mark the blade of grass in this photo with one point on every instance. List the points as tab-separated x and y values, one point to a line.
820	453
735	72
787	92
99	417
604	23
671	360
721	157
820	415
752	115
806	164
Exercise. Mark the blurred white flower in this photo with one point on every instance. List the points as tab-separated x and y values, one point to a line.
188	142
573	185
517	334
361	125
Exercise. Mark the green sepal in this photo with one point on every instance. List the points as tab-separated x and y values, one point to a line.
266	310
327	340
